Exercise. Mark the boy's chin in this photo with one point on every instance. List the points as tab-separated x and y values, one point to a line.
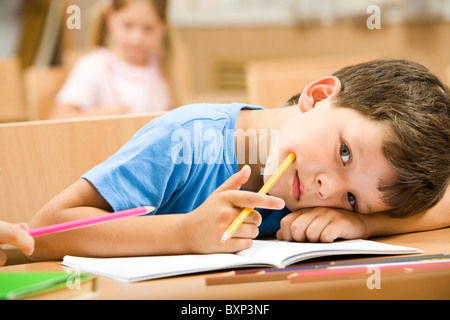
292	206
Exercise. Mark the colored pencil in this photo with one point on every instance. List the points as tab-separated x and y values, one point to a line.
357	271
274	274
266	187
89	221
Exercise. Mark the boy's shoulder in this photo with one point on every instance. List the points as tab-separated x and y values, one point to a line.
206	111
191	118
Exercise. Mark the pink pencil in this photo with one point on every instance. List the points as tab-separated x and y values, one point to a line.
342	273
89	221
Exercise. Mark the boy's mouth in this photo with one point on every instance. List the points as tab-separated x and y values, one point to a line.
296	187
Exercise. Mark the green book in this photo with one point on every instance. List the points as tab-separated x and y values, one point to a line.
45	285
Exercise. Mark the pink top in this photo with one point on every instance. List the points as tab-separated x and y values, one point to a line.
99	79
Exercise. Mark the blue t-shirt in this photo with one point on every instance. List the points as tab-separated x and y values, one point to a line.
175	162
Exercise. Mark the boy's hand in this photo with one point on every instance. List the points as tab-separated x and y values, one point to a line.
322	224
207	223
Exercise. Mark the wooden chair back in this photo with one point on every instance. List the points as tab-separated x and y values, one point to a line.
38	159
12	106
42	84
270	83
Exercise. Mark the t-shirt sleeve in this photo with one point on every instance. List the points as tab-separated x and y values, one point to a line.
81	85
142	172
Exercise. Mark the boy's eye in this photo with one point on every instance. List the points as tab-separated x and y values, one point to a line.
352	200
345	153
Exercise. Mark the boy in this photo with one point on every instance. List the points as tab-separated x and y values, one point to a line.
373	152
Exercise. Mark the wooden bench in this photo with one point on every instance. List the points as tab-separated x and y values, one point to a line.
41	158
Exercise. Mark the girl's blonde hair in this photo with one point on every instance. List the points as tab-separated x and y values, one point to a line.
166	49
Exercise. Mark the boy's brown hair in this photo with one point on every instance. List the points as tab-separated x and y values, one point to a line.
416	106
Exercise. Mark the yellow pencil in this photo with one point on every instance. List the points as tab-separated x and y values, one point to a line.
266	187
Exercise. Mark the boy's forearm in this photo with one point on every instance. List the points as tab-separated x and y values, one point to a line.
145	235
437	217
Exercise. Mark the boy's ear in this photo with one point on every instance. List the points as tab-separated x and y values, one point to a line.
325	88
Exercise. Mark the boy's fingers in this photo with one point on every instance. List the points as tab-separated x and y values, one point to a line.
236	180
246	230
247	199
279	235
287	231
254	218
315	228
331	233
285	228
236	244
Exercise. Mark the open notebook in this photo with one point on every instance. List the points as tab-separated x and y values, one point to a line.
270	253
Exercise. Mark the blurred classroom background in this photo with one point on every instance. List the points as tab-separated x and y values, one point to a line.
252	51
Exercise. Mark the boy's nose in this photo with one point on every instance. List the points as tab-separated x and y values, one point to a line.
321	193
325	187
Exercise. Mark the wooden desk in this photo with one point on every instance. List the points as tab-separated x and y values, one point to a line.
426	285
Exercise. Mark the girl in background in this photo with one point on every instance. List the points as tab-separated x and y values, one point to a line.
130	72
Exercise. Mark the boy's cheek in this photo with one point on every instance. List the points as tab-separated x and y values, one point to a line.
280	191
274	159
269	168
